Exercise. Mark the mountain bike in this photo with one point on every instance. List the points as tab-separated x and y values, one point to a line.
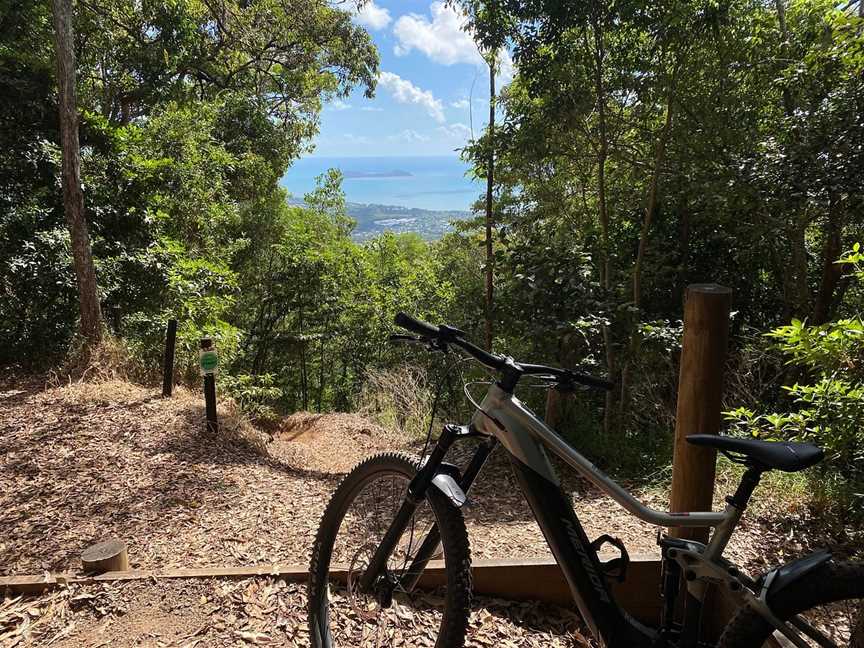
392	515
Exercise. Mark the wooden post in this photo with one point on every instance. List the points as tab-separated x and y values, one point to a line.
700	390
553	407
168	366
208	368
109	556
490	188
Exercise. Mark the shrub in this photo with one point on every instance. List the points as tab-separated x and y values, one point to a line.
256	396
827	402
399	399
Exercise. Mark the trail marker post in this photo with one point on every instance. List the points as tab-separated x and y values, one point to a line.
209	361
700	393
168	366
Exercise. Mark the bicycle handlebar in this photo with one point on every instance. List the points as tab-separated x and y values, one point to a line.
449	335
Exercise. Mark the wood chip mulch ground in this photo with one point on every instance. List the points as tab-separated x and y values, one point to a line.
85	462
255	612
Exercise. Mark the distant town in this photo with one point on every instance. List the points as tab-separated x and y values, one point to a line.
373	220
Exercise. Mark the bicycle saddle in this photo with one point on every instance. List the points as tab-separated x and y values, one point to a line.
780	455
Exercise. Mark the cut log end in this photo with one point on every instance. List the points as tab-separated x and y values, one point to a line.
107	556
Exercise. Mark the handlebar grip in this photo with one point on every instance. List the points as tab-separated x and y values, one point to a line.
416	325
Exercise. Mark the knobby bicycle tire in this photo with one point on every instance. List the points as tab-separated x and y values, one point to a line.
454	539
830	583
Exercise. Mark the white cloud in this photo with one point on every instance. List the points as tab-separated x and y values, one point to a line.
455	131
357	139
443	39
372	16
339	105
372	109
409	135
406	92
462	103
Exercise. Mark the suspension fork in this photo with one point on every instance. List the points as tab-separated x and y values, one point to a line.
413	497
427	549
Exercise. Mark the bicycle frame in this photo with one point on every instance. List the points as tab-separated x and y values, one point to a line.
525	437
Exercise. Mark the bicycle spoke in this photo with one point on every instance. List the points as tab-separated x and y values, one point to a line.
358	618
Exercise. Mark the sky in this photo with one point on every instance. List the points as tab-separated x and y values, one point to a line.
422	105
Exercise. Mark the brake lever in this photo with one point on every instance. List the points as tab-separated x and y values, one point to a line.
399	337
438	345
433	344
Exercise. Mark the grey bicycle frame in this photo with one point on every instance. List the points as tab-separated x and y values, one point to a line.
525	436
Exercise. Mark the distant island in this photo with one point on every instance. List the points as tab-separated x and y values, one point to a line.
373	220
396	173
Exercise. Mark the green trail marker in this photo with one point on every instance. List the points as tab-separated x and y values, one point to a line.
208	360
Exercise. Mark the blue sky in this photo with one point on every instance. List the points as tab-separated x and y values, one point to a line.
421	106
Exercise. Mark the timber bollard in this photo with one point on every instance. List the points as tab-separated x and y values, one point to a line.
168	366
209	361
107	556
700	392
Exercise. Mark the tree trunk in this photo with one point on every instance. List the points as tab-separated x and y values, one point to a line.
73	196
321	373
788	105
490	184
660	147
605	262
683	248
832	271
799	286
304	384
554	407
653	189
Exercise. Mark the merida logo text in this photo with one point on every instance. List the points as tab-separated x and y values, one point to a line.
587	564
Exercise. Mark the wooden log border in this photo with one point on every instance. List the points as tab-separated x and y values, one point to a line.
532	579
536	579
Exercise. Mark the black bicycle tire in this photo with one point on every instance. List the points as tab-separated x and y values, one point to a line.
454	538
831	582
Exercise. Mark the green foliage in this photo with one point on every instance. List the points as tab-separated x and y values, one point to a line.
316	307
640	148
826	403
255	395
184	137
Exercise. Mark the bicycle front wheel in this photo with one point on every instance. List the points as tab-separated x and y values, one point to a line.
355	521
830	599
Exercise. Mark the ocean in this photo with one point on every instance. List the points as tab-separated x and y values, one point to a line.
434	183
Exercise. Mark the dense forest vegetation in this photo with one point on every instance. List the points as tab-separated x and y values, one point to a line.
640	147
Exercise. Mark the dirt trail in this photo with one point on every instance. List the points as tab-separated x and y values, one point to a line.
330	443
86	462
